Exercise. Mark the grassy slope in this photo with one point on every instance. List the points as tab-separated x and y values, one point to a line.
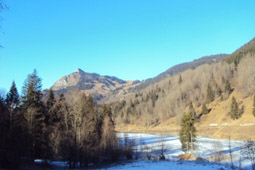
216	124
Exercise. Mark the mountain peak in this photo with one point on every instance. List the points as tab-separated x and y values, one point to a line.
100	87
78	70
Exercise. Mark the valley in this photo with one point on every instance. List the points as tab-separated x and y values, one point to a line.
157	104
120	84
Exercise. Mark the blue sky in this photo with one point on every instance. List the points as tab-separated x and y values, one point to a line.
129	39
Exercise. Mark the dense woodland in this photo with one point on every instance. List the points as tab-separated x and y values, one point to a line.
76	130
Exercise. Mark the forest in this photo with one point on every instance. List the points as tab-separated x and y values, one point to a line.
75	130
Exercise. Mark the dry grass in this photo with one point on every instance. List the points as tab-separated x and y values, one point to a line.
216	124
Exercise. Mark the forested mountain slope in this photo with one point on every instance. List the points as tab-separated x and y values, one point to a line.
181	68
204	85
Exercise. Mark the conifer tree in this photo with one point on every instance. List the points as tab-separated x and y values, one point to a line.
180	79
3	123
210	94
228	87
234	113
50	99
13	135
12	101
49	106
187	132
192	111
253	108
34	113
204	110
12	97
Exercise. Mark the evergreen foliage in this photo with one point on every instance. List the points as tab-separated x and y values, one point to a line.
210	94
50	99
253	106
12	101
77	131
34	113
187	132
192	111
49	116
236	57
228	88
204	110
180	79
235	112
12	97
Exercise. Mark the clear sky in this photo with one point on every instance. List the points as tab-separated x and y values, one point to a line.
129	39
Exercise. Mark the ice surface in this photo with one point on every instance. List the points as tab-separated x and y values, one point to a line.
167	165
205	147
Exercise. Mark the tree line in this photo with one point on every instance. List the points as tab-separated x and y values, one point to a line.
77	131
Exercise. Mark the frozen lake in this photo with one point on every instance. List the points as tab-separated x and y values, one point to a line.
214	152
207	148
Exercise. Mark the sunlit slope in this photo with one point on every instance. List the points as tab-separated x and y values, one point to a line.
160	106
217	123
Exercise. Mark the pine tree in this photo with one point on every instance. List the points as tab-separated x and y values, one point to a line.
253	106
228	88
234	113
12	97
210	94
12	130
12	101
187	132
3	123
34	114
204	110
50	99
180	79
49	106
192	111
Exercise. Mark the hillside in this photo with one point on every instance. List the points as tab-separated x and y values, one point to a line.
99	87
216	124
109	89
181	68
160	106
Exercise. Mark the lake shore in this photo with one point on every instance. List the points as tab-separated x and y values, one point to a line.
236	133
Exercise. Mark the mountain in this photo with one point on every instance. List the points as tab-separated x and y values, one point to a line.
99	87
108	89
248	48
182	67
211	81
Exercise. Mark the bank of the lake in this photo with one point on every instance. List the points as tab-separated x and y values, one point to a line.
235	132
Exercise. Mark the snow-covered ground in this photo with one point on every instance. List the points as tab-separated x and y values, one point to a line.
167	165
205	147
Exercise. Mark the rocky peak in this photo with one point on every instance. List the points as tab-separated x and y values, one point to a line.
80	71
100	87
